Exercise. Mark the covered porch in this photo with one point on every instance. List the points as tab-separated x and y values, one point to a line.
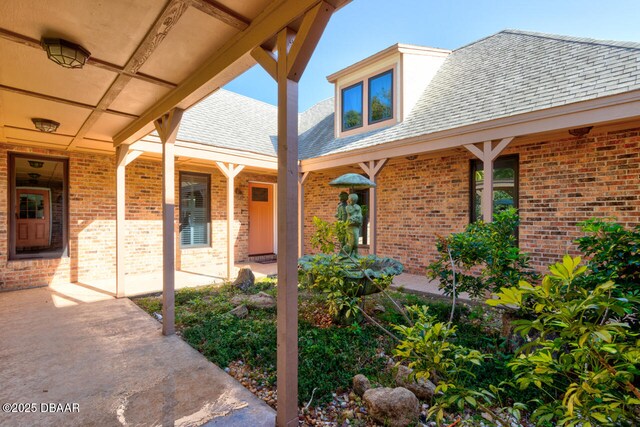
118	72
106	362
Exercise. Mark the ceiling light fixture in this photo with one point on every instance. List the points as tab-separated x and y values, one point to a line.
580	132
45	125
36	164
65	53
34	175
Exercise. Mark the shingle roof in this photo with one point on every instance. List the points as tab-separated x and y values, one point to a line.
229	120
508	73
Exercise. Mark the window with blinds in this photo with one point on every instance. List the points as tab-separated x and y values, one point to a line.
195	217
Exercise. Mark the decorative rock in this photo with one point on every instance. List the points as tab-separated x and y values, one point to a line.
395	407
422	388
379	308
360	384
158	316
259	300
245	279
240	311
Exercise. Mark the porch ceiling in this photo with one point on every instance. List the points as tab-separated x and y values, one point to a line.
147	57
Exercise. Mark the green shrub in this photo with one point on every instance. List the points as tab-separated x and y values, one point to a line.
579	353
614	254
486	257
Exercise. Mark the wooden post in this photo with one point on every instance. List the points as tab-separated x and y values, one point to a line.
302	177
372	168
294	51
488	154
230	170
167	127
121	163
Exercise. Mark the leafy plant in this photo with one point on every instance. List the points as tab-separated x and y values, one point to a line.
486	257
614	254
430	349
328	235
579	353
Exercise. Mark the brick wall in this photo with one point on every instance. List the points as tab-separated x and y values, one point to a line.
92	222
562	182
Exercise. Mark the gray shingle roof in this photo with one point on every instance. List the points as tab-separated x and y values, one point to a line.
509	73
229	120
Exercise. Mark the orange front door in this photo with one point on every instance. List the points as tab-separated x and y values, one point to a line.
33	218
260	219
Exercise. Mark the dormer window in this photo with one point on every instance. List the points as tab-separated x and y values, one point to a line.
352	107
368	102
381	97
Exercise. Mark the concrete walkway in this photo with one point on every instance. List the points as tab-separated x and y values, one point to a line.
107	359
144	284
421	285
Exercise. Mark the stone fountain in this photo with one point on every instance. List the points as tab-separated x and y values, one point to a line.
360	271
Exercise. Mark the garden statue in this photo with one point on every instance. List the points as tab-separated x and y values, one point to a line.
341	211
354	222
359	275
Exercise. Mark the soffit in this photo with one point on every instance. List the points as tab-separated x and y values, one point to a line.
141	52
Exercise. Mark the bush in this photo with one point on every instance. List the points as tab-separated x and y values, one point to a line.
614	254
490	248
586	360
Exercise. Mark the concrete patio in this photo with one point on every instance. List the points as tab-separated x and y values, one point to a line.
144	284
69	344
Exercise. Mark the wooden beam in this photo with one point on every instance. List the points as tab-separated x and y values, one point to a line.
219	12
488	154
132	155
311	29
372	168
94	62
267	60
121	255
165	22
64	101
302	177
230	171
167	127
276	16
287	298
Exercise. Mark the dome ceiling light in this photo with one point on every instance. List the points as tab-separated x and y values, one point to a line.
65	53
45	125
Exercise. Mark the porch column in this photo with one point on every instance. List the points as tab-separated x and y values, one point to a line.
167	127
372	168
230	171
488	154
302	177
121	155
294	51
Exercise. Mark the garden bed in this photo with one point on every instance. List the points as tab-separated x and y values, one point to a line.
329	355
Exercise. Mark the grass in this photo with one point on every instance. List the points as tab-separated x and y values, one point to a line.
329	355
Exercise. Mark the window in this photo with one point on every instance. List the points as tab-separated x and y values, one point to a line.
505	185
195	214
368	102
381	97
352	107
38	207
363	201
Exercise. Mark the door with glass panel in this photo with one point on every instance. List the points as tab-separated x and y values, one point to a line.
260	219
33	217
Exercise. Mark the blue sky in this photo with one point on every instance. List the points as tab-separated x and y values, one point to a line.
365	27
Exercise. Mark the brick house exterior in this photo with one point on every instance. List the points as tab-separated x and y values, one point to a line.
562	182
442	106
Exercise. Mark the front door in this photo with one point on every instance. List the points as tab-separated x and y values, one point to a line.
260	219
33	218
